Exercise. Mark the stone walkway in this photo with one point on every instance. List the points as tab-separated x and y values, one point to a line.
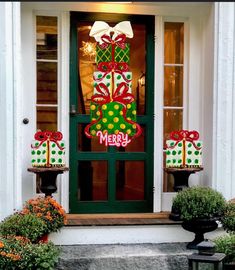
170	256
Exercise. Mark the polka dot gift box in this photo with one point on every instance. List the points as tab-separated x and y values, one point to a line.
184	149
48	149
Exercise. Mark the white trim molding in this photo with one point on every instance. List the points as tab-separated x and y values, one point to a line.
10	108
223	100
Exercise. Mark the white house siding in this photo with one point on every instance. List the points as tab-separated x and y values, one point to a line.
10	109
210	93
224	100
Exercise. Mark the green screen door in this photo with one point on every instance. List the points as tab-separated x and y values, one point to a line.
111	179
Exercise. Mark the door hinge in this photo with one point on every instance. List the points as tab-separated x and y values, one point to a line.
155	39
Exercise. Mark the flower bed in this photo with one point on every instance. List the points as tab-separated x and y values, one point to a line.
20	234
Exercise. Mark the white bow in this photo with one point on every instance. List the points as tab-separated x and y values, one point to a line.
101	28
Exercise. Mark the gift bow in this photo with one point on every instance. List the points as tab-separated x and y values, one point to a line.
107	67
48	136
120	95
101	28
186	135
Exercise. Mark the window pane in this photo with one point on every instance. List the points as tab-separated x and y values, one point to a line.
173	86
174	43
137	144
88	65
87	144
92	181
172	121
46	83
47	118
130	183
46	37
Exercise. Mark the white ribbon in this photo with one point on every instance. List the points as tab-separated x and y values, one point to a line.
101	28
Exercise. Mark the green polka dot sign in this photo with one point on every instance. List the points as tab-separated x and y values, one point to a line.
48	149
113	107
183	149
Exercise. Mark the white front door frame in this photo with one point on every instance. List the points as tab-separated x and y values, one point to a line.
195	14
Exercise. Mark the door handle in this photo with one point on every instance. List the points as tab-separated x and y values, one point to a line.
73	110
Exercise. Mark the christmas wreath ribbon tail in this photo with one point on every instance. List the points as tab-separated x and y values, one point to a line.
186	135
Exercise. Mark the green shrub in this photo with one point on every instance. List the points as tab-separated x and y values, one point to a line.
226	244
28	226
228	220
20	253
199	203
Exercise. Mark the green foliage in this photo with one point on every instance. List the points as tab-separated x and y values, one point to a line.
20	248
28	226
19	253
228	220
226	244
48	210
199	202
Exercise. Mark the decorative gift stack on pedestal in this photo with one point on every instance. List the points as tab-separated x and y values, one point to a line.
48	159
184	150
183	156
112	109
48	149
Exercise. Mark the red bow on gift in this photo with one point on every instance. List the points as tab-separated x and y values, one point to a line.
186	135
43	136
119	41
120	95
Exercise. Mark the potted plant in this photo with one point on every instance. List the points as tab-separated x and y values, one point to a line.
19	253
48	210
226	244
199	208
228	219
18	224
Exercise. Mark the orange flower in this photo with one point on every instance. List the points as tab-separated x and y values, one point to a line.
1	245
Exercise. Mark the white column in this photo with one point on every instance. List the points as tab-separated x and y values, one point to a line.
224	100
10	108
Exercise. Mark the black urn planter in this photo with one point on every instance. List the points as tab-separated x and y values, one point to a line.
199	227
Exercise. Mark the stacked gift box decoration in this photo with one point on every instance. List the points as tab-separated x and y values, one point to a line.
48	149
184	150
112	108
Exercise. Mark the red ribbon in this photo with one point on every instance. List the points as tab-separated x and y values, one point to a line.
119	41
48	136
120	95
189	136
108	67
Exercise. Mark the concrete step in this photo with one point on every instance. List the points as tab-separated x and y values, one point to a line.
165	256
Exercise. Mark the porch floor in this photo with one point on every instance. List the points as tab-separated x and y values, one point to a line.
161	218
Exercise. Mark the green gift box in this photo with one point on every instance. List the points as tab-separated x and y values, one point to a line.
120	55
113	118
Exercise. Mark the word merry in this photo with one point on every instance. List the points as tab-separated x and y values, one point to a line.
118	140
